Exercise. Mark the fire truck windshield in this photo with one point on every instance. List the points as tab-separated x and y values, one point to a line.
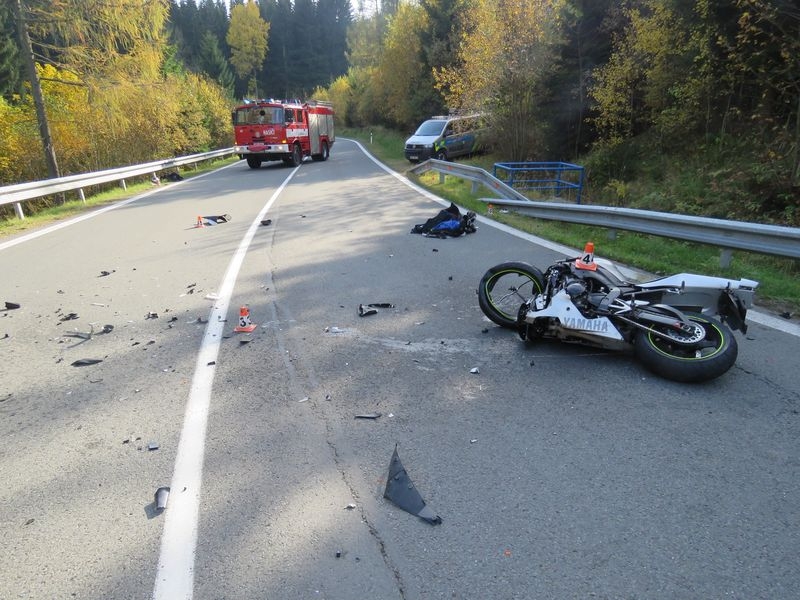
253	115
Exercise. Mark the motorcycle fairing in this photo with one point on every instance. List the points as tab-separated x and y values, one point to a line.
570	318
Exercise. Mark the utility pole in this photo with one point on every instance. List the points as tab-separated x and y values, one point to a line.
26	50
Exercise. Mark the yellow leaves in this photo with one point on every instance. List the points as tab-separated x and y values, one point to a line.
247	37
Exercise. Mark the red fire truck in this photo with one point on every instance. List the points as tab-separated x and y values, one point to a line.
287	130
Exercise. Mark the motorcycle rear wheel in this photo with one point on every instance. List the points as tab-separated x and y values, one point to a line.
689	363
504	287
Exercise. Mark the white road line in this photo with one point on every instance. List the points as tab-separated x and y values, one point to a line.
175	577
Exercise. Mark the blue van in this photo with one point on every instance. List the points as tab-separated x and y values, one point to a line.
444	138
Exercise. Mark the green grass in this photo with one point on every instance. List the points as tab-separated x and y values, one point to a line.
74	206
779	278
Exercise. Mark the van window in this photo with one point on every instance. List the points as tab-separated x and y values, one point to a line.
431	128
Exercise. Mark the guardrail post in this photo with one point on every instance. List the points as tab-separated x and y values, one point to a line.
475	185
441	178
122	183
18	210
82	196
725	257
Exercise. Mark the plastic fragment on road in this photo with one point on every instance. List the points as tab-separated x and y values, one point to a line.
401	491
107	273
85	362
152	446
12	305
372	416
365	312
266	222
475	370
162	497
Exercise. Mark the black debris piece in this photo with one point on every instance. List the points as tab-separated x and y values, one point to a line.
217	219
380	305
85	362
372	416
266	222
69	317
401	491
365	312
12	306
151	315
107	329
173	176
785	315
107	273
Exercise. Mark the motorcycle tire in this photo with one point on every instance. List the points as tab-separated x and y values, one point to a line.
504	287
686	362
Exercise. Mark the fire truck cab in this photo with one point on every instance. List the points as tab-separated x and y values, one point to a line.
287	130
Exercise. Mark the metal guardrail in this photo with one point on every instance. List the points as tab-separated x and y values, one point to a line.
21	192
727	235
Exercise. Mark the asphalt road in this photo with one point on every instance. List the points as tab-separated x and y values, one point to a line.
558	471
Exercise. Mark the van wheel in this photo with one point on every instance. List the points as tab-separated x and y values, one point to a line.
440	155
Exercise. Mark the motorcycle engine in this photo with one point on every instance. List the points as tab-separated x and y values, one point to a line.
577	291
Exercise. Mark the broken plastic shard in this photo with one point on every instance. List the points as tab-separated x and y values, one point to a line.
162	496
474	370
84	362
372	416
365	312
12	305
401	491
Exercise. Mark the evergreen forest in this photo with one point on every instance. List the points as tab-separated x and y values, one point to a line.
691	106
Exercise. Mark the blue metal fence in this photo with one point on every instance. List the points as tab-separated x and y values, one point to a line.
548	179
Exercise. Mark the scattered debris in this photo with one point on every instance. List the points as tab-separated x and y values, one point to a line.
350	506
266	222
152	446
85	362
212	296
217	219
474	370
211	363
162	497
151	315
173	176
472	441
107	273
785	315
365	312
485	330
372	416
338	554
12	305
305	399
69	317
401	491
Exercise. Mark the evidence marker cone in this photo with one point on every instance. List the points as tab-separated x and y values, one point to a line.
199	222
586	261
244	326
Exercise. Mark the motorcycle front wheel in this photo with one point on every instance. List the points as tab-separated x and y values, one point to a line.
681	359
504	287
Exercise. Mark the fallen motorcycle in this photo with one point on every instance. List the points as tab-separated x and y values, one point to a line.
678	326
